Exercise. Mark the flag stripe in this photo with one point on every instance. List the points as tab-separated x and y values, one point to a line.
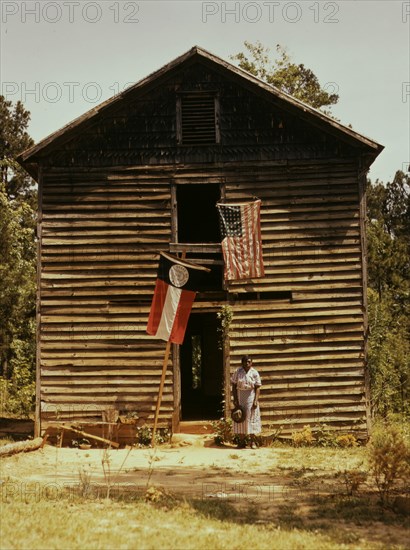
157	305
170	312
182	316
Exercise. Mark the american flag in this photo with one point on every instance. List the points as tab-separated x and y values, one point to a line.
241	240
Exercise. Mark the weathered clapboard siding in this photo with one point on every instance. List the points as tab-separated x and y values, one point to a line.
309	349
100	243
108	205
312	345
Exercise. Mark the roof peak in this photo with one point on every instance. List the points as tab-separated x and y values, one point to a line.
306	111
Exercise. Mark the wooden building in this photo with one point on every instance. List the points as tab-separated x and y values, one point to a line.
140	174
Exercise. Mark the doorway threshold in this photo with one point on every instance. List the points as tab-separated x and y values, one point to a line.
195	427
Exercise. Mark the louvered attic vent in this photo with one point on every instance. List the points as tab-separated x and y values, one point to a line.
197	117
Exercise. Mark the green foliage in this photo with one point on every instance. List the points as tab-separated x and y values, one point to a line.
18	392
353	479
14	139
388	238
17	305
388	234
296	80
324	436
389	458
346	440
223	431
304	437
225	315
388	357
321	435
17	264
196	361
144	436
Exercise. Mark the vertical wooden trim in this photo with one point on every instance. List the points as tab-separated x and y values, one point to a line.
178	126
222	187
362	177
37	417
226	358
217	120
227	376
174	213
176	414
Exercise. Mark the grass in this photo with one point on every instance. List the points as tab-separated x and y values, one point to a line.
316	510
78	523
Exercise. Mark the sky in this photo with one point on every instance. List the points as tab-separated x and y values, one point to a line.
62	58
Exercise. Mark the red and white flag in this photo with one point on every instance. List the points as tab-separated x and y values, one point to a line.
175	290
241	240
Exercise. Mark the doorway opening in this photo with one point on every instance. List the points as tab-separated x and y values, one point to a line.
201	364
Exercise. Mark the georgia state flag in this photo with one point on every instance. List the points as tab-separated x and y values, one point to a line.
175	290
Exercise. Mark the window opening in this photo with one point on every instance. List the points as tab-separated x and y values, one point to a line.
197	214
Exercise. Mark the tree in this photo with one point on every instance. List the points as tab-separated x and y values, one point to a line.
388	237
396	207
296	80
17	263
14	139
388	232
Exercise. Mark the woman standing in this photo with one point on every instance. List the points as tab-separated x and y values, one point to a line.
246	384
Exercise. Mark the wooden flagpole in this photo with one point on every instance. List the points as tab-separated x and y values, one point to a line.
161	387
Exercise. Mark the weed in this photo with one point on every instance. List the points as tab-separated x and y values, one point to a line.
324	436
303	437
389	459
84	485
352	480
152	458
144	436
106	466
154	494
223	431
271	436
346	440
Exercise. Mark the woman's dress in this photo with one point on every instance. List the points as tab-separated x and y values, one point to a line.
245	383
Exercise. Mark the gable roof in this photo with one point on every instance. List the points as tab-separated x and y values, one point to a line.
29	158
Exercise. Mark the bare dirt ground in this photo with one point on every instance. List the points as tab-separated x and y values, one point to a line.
269	484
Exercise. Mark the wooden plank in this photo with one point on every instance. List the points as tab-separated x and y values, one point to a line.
91	436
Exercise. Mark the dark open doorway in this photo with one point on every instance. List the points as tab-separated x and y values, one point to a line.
197	214
201	364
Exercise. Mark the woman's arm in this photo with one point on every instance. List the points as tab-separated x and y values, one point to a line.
235	394
256	398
